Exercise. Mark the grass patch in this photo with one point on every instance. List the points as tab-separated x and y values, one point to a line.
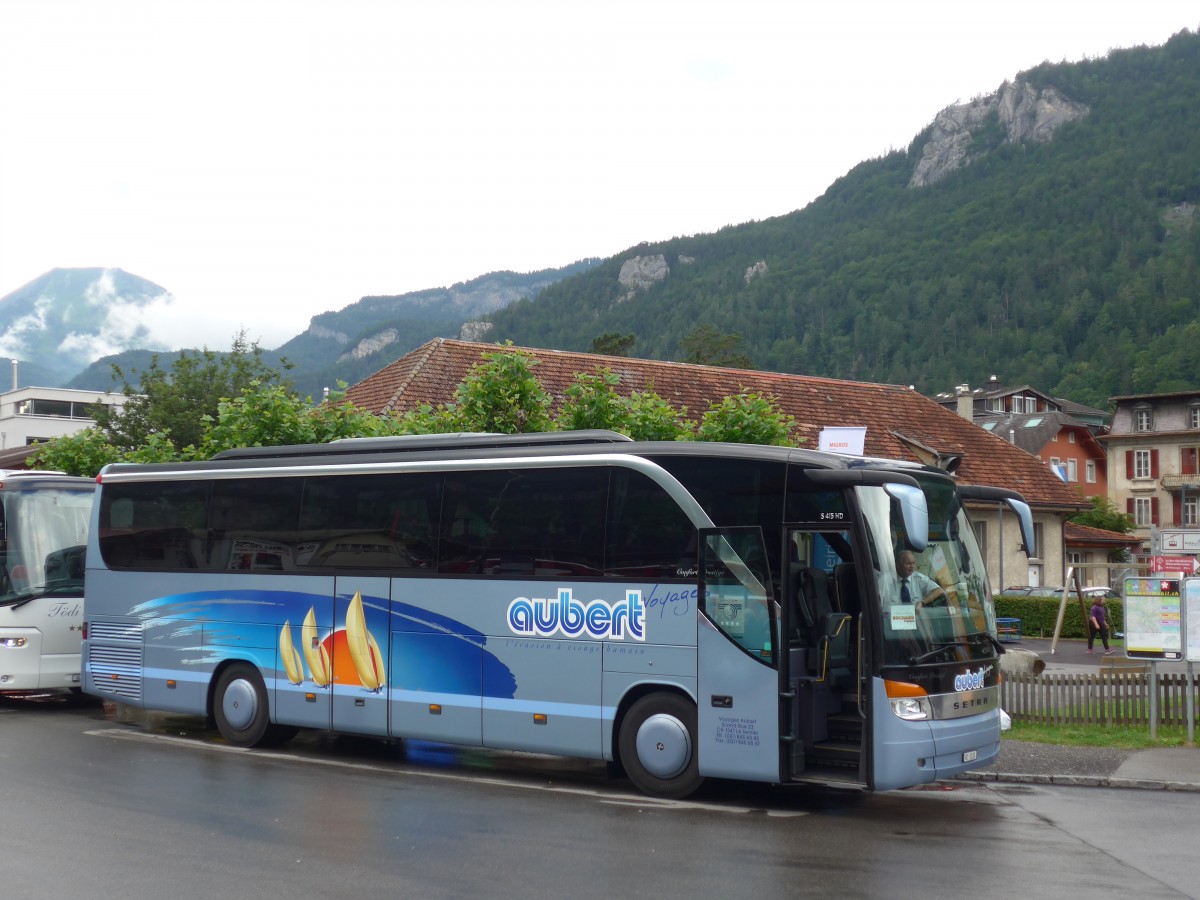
1125	737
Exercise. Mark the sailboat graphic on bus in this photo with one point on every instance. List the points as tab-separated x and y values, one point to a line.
349	655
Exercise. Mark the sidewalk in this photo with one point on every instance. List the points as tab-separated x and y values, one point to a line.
1023	762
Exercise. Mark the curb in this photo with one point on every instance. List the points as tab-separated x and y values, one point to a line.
1079	781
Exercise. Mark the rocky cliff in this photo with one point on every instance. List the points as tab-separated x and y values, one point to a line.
1024	113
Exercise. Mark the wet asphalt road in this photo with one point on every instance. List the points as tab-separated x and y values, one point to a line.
96	807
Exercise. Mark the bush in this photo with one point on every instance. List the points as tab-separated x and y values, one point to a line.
1038	615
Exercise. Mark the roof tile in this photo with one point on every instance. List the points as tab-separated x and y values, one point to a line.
894	416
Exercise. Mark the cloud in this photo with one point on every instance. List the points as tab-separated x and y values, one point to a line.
15	341
127	323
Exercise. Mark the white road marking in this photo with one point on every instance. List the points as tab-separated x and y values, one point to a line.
607	797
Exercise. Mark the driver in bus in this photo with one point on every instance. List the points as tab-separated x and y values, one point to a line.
916	588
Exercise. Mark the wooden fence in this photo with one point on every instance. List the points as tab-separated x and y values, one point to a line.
1107	698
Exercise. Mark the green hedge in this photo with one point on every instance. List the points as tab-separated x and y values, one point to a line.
1038	615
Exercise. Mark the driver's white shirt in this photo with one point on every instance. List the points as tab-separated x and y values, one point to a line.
919	585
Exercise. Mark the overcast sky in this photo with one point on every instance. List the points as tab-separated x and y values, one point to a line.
268	161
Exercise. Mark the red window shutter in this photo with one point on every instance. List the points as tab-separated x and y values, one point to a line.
1177	508
1129	506
1153	463
1129	464
1187	460
1154	510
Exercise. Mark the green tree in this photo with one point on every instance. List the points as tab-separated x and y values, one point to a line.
613	343
503	395
651	418
175	402
87	452
1104	514
593	402
269	415
83	453
706	346
746	418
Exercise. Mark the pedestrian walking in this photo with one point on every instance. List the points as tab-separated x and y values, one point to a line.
1098	625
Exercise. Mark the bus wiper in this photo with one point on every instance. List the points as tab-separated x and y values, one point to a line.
940	647
16	601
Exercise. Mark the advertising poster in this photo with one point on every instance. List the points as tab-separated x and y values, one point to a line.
1153	618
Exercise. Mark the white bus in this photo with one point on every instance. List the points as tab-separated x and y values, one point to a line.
44	519
683	610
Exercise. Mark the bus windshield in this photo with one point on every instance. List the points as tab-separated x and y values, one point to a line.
936	604
43	538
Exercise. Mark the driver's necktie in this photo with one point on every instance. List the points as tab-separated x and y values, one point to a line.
905	596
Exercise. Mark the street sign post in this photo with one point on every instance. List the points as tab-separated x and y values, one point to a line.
1188	565
1185	541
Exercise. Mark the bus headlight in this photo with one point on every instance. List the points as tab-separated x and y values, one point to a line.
908	701
911	709
13	642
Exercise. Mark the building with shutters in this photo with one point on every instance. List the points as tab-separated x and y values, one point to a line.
1154	461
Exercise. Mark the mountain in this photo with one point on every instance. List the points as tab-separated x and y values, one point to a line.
56	325
1044	234
351	343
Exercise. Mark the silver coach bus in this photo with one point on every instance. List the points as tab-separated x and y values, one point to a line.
684	610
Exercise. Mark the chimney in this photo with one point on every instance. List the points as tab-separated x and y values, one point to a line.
966	403
14	364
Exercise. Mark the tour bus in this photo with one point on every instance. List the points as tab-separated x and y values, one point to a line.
682	610
44	519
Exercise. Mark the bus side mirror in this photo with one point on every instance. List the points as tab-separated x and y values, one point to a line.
1025	521
915	512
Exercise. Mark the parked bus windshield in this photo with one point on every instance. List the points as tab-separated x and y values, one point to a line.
43	537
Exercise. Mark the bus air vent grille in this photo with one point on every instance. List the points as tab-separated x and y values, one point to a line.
115	631
116	671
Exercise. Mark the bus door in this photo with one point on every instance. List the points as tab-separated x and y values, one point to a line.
821	621
737	658
361	614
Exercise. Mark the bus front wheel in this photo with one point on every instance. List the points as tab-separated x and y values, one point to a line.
657	745
240	706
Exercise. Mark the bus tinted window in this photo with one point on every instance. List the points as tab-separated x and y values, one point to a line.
153	525
804	504
384	521
649	536
252	523
735	492
523	522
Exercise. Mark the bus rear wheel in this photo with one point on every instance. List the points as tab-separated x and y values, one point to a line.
657	746
240	706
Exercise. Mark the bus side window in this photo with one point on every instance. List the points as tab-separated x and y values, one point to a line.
648	534
385	521
153	525
524	522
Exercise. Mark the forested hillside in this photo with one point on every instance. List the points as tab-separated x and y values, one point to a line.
1071	264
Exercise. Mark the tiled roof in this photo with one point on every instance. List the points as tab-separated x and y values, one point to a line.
1074	533
1033	431
897	418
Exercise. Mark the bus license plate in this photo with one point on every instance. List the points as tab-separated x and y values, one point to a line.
970	756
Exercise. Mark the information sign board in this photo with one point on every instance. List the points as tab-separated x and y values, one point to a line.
1153	618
